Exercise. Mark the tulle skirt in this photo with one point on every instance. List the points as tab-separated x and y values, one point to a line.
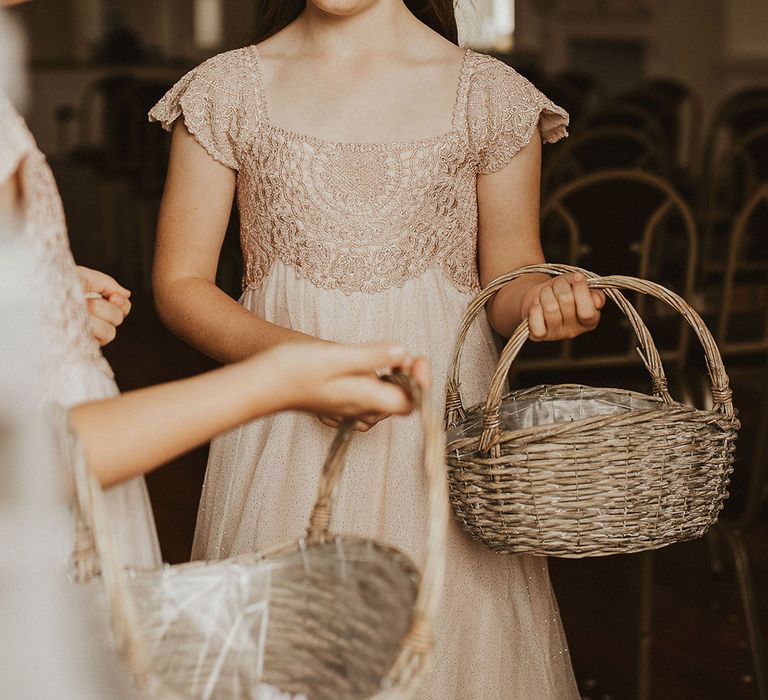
499	634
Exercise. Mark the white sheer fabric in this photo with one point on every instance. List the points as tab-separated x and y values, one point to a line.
73	369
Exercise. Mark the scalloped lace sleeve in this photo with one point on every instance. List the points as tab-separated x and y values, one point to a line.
210	100
504	111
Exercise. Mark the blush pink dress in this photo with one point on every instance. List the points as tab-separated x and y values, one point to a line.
358	242
73	368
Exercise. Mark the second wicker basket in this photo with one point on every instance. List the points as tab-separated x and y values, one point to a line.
576	471
327	617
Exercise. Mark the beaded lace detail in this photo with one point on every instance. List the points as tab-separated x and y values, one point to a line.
359	217
56	291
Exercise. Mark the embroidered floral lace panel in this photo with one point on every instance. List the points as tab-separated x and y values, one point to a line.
352	216
56	291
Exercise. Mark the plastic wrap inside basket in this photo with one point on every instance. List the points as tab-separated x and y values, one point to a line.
550	405
323	622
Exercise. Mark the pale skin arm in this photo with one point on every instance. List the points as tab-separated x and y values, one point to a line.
193	220
141	430
508	207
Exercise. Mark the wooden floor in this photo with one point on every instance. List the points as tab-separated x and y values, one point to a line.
699	640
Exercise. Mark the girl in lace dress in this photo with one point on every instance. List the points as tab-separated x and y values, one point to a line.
382	175
73	368
74	373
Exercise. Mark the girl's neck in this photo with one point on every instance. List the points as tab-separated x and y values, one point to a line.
384	27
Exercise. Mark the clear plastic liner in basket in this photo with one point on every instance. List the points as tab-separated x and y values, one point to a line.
324	617
550	405
322	622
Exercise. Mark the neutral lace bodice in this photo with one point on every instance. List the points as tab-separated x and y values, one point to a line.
56	291
359	217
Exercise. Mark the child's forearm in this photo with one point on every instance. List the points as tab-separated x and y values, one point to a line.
200	313
505	311
141	430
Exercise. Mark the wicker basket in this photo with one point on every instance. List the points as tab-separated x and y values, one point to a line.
329	617
574	471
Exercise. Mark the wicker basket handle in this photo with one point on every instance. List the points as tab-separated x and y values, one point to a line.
320	519
721	391
101	557
416	648
454	405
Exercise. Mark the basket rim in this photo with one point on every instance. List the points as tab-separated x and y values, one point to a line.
661	406
303	543
282	549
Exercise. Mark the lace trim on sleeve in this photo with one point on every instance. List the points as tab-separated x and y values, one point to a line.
210	102
505	112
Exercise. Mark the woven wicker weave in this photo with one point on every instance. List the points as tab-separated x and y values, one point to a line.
573	471
330	617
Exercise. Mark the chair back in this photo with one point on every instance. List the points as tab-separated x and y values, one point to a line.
627	222
604	148
742	325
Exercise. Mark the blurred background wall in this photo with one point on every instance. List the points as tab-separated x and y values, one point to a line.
714	46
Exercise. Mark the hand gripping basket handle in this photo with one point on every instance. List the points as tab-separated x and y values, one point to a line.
721	392
454	405
416	648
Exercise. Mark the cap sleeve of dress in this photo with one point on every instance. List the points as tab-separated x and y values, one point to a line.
211	100
15	140
503	112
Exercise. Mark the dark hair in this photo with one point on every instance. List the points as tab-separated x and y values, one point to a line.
274	15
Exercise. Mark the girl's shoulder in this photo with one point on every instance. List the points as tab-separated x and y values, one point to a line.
503	111
220	102
489	74
228	80
229	70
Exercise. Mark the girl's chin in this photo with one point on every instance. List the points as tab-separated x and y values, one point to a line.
343	8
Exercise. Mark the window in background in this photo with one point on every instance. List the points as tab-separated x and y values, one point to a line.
209	24
488	25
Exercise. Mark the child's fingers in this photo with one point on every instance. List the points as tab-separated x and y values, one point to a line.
598	296
106	311
552	316
537	327
101	283
365	359
407	364
365	396
122	302
330	421
103	332
365	423
563	291
389	400
588	314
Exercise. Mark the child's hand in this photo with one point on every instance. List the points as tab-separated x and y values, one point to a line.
108	303
562	307
336	381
